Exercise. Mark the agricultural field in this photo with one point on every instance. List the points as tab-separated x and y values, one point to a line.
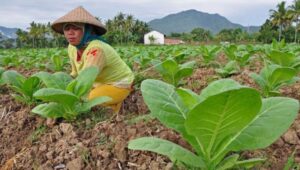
224	106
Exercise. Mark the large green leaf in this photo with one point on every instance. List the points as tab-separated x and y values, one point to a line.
58	62
31	85
189	98
170	66
167	148
165	104
13	78
56	95
278	112
168	69
85	80
281	58
280	75
63	78
217	87
221	116
96	101
71	86
189	64
183	72
57	80
259	80
49	110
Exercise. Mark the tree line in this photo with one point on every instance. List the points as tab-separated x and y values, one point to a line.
123	29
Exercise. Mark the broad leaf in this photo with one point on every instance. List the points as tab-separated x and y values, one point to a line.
276	112
283	74
57	80
219	86
96	101
189	98
49	110
71	86
165	104
222	115
85	80
31	85
167	148
56	95
63	78
259	80
183	72
282	58
13	78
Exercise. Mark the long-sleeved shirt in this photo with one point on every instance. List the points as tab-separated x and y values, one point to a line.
113	70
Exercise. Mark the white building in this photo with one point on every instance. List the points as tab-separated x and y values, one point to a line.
154	37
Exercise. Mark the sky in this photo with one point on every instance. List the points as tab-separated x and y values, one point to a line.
19	13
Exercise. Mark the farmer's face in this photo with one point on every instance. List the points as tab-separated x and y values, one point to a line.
73	33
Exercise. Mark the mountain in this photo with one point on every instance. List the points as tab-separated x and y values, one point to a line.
186	21
8	32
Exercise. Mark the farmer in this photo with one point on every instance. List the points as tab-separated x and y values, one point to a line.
87	48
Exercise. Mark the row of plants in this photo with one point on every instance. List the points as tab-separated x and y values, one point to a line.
225	118
219	123
55	95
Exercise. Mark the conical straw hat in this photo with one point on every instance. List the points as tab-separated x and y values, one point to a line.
79	15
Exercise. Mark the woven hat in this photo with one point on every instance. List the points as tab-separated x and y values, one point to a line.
79	15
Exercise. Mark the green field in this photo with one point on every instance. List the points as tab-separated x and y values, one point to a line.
223	106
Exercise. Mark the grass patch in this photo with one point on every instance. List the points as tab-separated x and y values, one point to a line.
37	133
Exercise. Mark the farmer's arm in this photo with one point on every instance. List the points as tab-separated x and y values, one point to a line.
95	57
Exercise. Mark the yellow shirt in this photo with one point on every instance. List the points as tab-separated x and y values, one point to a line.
113	70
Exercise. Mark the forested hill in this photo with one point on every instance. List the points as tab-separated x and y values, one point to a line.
186	21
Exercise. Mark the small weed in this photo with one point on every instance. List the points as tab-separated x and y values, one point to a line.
137	119
94	116
37	133
85	155
102	139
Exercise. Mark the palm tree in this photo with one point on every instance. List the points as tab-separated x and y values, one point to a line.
128	25
279	17
22	37
125	29
294	13
33	33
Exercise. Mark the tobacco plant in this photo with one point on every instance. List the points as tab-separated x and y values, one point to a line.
173	73
209	53
225	119
23	87
233	53
228	69
273	77
284	59
67	99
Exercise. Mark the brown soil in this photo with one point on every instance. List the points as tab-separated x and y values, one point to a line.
99	140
